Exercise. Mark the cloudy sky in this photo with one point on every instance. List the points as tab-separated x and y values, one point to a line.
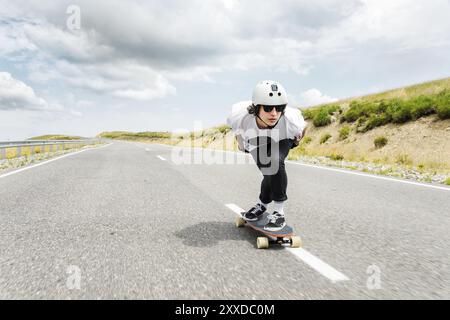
82	67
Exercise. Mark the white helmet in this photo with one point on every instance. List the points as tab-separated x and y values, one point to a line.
269	93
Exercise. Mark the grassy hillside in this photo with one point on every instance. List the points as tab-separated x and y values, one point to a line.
409	126
395	106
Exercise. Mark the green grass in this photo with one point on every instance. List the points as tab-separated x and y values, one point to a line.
393	106
372	114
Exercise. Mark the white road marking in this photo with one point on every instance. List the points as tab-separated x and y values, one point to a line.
161	158
51	160
147	149
325	269
370	175
318	265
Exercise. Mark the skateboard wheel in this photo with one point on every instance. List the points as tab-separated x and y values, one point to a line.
262	243
240	222
296	242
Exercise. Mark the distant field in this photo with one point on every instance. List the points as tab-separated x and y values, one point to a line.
56	137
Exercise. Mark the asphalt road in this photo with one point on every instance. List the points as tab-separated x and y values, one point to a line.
128	221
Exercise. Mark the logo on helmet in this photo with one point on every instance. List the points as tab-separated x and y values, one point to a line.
274	87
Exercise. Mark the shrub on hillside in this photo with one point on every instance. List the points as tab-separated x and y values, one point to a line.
380	142
336	157
359	109
308	113
443	105
325	138
223	129
375	121
399	111
306	140
403	159
344	132
322	118
313	113
332	108
421	106
353	113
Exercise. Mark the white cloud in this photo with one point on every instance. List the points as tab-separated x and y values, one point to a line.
230	4
314	97
16	95
76	113
205	38
240	106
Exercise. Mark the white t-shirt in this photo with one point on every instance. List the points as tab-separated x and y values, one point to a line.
289	126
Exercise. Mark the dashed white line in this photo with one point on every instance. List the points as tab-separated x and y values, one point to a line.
318	265
323	268
51	160
161	158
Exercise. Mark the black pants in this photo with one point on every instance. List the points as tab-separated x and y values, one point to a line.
269	156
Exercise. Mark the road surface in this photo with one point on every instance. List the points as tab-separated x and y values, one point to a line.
128	221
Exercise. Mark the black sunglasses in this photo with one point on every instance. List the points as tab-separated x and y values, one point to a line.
270	108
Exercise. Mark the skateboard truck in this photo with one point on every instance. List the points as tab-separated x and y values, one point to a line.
283	237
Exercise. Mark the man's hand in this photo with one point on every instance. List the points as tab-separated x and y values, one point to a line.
299	137
240	142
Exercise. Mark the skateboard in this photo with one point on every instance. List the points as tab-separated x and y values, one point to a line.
284	236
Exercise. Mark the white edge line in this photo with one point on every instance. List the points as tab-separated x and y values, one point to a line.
312	261
369	175
51	160
343	170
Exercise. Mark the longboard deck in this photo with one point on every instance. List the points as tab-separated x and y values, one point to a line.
258	225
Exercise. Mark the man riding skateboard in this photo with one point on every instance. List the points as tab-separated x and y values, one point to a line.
267	129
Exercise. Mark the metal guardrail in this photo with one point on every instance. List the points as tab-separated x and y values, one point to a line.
14	149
